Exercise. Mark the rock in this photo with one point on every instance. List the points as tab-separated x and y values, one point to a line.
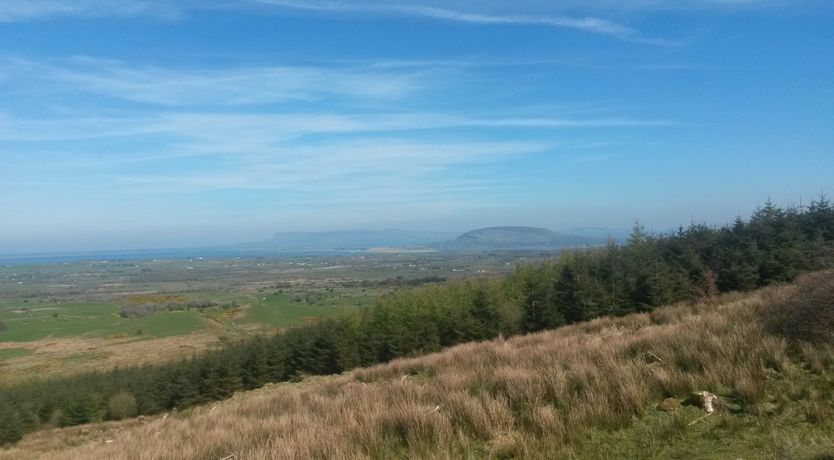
668	405
705	400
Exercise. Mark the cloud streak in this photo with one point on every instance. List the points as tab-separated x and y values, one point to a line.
252	130
585	24
574	15
385	167
310	138
237	86
521	12
24	10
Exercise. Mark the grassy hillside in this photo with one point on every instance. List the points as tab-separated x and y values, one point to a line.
589	390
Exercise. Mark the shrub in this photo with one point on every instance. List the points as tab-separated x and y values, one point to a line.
11	429
3	326
807	314
121	405
200	304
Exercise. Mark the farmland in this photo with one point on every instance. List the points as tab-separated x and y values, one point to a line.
96	314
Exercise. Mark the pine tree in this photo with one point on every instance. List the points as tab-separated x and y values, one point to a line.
77	411
187	391
567	295
256	362
486	318
539	311
11	428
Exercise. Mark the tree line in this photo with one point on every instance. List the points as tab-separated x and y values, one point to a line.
773	245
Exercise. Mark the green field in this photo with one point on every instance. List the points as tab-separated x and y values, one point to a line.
83	299
92	320
36	321
283	310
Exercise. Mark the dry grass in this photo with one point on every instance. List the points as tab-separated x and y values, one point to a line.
533	396
72	355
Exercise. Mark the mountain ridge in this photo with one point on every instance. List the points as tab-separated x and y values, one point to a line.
515	237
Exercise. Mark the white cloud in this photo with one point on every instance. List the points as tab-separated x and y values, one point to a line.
236	86
22	10
363	168
557	13
587	24
167	130
378	158
227	133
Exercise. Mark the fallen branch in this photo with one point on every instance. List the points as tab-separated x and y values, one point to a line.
649	353
699	419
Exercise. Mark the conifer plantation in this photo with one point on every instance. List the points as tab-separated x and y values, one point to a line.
774	245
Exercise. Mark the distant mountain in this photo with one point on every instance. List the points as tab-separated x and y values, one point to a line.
519	238
348	240
492	238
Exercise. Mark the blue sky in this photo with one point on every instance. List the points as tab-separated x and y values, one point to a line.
151	123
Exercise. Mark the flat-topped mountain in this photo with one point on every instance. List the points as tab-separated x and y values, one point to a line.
516	238
491	238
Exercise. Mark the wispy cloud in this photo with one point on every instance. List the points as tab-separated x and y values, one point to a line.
585	24
22	10
363	82
385	167
521	12
575	15
318	136
236	86
252	130
372	158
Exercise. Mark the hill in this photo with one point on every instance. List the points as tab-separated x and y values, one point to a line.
518	238
492	238
590	390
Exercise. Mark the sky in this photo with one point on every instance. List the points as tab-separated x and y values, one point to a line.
176	123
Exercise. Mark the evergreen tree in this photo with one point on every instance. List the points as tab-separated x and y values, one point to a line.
78	410
567	295
539	310
485	315
255	368
11	428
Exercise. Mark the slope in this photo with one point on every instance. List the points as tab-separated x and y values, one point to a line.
582	391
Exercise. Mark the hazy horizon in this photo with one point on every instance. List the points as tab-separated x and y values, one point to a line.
129	124
230	243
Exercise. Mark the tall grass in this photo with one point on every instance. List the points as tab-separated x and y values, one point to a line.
532	396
